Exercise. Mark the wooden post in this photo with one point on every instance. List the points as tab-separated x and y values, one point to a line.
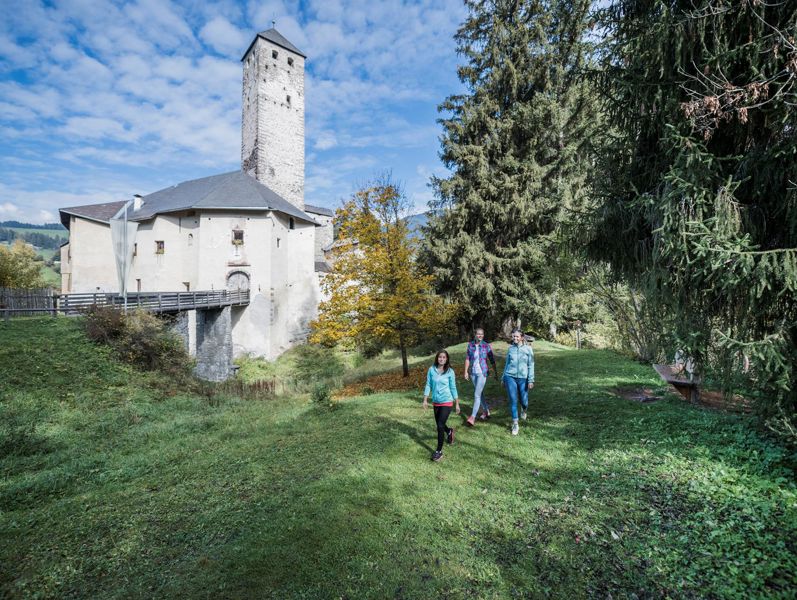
160	304
6	316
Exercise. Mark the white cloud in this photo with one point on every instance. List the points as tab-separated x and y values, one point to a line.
8	210
126	97
224	37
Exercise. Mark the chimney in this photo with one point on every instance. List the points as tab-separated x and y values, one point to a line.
137	201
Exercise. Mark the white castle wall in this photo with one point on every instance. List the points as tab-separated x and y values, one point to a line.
87	262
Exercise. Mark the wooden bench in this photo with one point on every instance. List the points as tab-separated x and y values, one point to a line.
687	385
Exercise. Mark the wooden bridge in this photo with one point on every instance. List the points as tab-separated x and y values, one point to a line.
34	302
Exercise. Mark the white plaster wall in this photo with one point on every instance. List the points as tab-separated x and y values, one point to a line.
323	234
218	258
272	140
66	268
92	265
178	265
294	287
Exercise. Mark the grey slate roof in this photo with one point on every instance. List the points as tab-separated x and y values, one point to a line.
94	212
275	37
234	190
318	210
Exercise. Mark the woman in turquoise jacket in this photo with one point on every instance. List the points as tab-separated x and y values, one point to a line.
518	376
441	385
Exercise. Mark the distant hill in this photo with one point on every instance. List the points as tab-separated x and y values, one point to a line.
416	223
20	225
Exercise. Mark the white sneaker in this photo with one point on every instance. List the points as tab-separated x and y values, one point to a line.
523	414
515	428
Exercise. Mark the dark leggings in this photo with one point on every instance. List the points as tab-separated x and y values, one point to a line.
440	417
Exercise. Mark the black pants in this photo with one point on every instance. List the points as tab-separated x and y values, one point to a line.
440	417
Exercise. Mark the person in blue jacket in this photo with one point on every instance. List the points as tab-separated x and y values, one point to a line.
518	377
442	387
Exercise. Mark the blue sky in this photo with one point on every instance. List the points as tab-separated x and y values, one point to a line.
101	100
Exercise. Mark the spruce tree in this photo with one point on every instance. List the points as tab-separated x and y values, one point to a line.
699	204
517	145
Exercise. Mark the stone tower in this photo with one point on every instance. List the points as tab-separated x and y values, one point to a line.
272	128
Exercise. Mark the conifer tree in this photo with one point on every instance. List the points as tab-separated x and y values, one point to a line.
518	145
699	204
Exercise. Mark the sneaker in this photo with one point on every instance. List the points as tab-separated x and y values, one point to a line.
437	455
484	416
471	421
515	428
523	414
450	438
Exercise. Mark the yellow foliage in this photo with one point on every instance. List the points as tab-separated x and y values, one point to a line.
377	291
19	267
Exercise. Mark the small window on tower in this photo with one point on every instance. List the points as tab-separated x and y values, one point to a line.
237	237
160	247
288	100
290	61
274	54
135	248
291	223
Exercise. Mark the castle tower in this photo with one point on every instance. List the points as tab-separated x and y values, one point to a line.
272	128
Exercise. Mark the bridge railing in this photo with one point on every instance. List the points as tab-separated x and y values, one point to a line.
73	304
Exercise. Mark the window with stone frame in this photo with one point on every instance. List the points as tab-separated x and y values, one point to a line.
160	247
237	237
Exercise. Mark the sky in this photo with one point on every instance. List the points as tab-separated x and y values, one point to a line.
100	100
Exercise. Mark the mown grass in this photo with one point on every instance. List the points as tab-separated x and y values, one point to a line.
117	485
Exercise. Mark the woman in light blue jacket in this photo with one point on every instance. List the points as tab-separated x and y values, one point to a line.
518	377
442	386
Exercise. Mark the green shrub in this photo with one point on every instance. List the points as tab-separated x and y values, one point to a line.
322	395
139	337
314	362
104	324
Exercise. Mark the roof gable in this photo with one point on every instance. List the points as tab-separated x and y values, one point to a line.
101	213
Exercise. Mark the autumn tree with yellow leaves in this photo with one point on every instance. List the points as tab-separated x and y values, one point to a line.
377	292
19	267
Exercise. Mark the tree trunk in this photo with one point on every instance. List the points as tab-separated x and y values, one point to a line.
404	364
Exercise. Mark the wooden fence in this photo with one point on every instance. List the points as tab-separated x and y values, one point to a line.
27	302
15	303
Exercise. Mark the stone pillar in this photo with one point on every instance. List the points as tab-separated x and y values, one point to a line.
185	326
214	344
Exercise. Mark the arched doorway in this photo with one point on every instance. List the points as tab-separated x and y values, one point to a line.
238	280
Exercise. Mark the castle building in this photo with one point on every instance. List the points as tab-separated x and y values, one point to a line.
248	229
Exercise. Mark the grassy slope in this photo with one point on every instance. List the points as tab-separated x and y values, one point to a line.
118	485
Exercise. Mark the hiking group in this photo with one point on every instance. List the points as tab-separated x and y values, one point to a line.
441	386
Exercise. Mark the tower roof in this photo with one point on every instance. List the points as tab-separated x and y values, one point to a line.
275	37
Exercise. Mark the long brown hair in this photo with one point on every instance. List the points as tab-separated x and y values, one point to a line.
448	360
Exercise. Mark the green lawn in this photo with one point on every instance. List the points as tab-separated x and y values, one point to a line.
121	485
